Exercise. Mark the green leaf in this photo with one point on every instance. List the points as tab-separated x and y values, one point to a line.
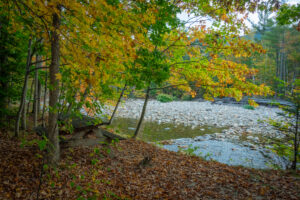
42	144
72	184
45	167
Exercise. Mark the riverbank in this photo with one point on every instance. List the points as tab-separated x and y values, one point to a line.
123	172
227	133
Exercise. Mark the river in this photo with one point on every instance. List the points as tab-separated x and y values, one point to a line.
202	141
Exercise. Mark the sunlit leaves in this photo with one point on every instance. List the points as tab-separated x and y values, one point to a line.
107	43
209	64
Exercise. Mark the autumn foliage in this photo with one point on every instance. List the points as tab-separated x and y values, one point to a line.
89	50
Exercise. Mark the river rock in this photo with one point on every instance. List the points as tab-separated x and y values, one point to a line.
195	113
199	138
250	137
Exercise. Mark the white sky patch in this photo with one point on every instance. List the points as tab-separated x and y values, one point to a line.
252	17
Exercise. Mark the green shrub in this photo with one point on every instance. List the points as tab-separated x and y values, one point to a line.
186	97
175	98
164	98
248	107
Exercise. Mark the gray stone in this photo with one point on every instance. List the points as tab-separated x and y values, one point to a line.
250	137
204	113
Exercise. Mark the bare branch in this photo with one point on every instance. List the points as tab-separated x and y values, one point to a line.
37	68
39	62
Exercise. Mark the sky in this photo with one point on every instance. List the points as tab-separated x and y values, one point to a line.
252	16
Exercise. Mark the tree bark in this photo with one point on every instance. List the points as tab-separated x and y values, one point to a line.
24	115
296	140
39	97
71	104
117	105
52	129
277	62
24	91
30	95
142	114
45	100
36	88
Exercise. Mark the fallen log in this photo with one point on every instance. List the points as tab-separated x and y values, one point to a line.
83	123
81	128
111	135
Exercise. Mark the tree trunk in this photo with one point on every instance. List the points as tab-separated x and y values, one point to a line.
117	105
30	95
296	141
143	114
277	62
36	88
24	116
45	100
61	100
24	90
3	86
285	74
52	129
39	97
70	105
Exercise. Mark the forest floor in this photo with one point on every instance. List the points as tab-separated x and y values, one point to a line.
133	169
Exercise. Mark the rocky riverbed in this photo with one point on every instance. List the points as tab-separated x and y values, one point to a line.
240	123
228	133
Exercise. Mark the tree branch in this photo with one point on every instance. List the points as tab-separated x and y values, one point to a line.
39	62
37	68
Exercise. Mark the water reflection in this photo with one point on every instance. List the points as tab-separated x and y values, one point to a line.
154	131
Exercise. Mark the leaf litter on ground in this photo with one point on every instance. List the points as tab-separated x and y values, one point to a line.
119	172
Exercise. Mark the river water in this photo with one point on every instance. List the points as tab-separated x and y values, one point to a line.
200	141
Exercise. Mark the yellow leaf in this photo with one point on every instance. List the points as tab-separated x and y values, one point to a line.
224	17
58	76
252	103
193	93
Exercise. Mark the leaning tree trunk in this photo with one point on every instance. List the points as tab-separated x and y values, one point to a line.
143	114
24	91
111	118
52	129
117	105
